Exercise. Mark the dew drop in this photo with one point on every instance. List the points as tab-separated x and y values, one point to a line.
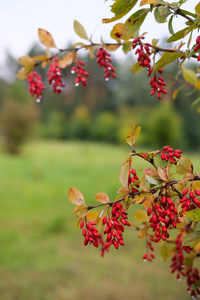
144	260
58	73
77	84
179	279
106	79
72	71
38	100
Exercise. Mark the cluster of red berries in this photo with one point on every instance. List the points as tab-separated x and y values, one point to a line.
144	60
90	233
104	60
36	86
189	201
178	264
115	226
132	178
143	53
149	254
157	84
197	47
81	73
169	154
193	279
55	77
163	216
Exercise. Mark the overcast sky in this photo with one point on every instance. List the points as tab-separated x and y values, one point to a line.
20	20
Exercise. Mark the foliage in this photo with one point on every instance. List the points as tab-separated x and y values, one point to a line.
16	122
170	194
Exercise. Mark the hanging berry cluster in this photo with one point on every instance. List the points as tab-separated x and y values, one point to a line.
104	60
36	86
81	73
55	77
143	52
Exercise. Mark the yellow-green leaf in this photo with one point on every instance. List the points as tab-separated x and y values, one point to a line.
141	216
133	23
112	47
166	59
116	32
40	58
81	210
197	9
191	238
92	215
185	166
102	197
66	60
26	60
75	196
46	38
137	68
120	8
80	31
189	76
166	251
24	71
192	215
133	135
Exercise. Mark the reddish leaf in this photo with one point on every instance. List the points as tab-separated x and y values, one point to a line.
102	197
75	196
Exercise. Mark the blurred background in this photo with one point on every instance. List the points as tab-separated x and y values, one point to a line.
77	139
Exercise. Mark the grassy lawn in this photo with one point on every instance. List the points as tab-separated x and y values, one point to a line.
42	256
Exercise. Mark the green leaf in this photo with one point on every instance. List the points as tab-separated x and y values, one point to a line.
170	27
192	215
189	76
133	23
191	238
75	196
166	59
166	251
137	68
178	35
161	13
120	8
80	31
188	13
127	46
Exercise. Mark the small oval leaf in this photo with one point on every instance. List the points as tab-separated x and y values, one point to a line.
75	196
46	38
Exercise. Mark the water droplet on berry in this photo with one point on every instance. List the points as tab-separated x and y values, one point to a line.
72	71
38	100
58	73
77	84
106	79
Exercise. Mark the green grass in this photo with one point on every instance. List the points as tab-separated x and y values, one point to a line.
41	251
